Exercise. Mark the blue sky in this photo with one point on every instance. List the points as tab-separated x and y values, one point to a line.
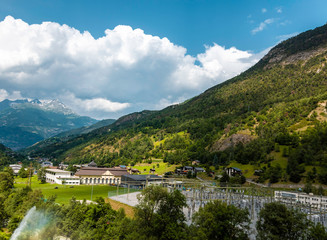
168	51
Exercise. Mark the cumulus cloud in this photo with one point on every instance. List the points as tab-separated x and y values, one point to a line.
279	10
123	71
264	10
263	25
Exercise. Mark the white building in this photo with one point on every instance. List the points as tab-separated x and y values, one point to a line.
15	168
61	177
301	198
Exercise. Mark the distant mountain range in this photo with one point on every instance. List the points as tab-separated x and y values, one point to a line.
25	122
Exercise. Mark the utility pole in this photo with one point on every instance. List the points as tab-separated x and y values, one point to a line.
127	190
29	180
92	192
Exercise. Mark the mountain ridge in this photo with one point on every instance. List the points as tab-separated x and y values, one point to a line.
25	122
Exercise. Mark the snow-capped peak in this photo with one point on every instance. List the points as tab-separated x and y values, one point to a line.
55	106
47	105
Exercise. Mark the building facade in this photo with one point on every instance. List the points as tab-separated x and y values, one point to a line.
233	171
95	175
301	198
61	177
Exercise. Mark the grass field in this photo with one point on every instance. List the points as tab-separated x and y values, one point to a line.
247	169
278	158
163	167
65	192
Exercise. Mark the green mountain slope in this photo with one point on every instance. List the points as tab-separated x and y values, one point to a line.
67	135
244	119
87	129
7	156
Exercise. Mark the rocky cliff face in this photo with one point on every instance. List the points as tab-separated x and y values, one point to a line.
232	141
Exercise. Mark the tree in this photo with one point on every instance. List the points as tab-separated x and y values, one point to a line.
320	191
286	151
217	220
71	168
216	161
41	175
323	175
317	232
22	173
159	214
6	182
189	174
276	221
275	173
9	170
242	179
224	178
308	188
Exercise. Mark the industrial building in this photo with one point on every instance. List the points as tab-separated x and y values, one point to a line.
311	200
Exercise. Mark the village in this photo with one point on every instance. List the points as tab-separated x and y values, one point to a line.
128	177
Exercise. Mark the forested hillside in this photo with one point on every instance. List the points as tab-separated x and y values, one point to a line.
276	108
7	156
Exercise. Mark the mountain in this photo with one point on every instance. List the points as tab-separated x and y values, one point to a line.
266	117
25	122
7	156
87	129
67	135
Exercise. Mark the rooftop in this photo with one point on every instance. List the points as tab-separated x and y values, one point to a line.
94	171
142	177
56	170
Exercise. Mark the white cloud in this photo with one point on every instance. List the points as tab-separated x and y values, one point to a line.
168	101
263	25
11	96
103	105
279	10
284	23
125	70
95	107
264	10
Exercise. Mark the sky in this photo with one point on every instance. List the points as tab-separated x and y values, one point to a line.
108	58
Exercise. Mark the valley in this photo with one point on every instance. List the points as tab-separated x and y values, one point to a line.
271	117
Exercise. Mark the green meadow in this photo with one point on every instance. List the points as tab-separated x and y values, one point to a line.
64	193
159	166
